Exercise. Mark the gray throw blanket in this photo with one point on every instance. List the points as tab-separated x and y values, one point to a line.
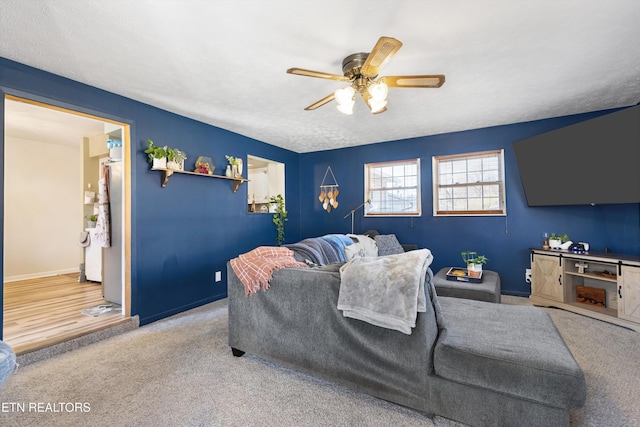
386	291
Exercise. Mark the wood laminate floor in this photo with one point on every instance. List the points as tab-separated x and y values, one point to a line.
46	311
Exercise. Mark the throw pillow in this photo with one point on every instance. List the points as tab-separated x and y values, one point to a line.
356	250
388	244
367	243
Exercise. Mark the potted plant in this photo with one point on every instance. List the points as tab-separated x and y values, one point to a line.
175	159
91	220
556	240
279	217
156	155
474	262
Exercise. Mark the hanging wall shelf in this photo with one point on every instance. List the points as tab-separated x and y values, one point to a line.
167	173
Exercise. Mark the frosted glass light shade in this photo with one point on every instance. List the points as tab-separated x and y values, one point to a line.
378	91
345	95
346	108
377	106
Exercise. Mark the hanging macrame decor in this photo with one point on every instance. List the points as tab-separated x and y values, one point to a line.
329	192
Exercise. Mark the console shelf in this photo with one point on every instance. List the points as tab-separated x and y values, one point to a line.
167	173
613	278
600	285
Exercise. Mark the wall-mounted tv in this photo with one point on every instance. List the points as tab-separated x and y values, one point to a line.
593	162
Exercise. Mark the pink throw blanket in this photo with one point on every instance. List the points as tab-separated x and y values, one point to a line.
255	268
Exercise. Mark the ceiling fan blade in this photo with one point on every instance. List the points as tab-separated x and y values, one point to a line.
320	103
318	74
382	52
433	81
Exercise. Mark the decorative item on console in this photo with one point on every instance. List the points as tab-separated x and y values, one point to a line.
559	241
578	248
545	241
329	192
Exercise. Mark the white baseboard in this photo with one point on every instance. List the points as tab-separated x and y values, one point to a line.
40	274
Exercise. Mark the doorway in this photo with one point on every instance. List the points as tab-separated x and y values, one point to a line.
51	173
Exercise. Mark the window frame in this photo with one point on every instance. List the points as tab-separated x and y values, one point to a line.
417	212
502	209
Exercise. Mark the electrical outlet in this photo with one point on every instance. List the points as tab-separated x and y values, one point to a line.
527	275
218	276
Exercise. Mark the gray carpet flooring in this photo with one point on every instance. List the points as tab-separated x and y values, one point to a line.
180	372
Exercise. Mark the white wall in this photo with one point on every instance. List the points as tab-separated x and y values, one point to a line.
42	209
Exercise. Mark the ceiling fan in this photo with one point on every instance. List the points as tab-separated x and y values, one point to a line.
361	71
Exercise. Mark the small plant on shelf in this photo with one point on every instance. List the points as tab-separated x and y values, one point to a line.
91	220
175	158
234	161
155	152
176	155
279	217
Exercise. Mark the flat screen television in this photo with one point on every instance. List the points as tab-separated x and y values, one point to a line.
593	162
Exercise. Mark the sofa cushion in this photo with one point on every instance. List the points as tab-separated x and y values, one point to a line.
512	349
388	244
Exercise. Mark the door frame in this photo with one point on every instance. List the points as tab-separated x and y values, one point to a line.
126	158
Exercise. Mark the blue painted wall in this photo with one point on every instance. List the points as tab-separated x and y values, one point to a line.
184	233
504	240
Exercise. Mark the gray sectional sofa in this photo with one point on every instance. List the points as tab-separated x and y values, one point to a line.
475	362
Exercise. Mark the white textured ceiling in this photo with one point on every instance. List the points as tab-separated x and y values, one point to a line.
224	62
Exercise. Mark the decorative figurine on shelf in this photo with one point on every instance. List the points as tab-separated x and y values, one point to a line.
204	165
236	166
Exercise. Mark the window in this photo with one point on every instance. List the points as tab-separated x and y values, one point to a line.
393	188
469	184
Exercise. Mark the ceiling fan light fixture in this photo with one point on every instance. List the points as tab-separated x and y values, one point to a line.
346	108
362	71
345	99
345	95
378	91
377	106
